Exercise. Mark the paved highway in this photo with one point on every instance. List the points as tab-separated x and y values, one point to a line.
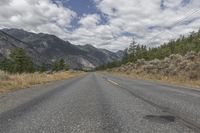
101	103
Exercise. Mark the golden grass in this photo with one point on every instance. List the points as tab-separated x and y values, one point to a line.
158	78
11	82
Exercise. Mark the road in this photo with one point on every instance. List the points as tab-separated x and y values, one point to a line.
101	103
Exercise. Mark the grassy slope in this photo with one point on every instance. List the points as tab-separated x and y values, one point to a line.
17	81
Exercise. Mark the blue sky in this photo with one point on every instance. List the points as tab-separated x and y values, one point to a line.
81	6
110	24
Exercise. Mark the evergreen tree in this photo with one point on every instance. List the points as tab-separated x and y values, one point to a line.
55	66
181	46
21	63
59	65
6	65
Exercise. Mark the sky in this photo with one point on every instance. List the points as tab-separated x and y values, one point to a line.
109	24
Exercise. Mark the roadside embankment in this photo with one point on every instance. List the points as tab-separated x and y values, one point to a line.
184	70
12	82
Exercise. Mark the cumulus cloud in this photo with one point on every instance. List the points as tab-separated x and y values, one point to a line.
153	22
35	15
89	20
4	2
149	22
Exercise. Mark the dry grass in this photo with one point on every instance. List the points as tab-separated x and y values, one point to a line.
178	80
13	82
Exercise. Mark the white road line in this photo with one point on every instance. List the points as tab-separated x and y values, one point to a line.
113	82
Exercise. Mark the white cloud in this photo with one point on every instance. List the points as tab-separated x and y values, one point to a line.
146	21
35	15
4	2
147	18
90	20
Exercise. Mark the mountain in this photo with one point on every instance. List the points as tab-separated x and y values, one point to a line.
9	43
45	48
103	55
120	53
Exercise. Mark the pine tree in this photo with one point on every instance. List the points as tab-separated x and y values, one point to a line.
6	65
21	62
59	65
55	66
180	46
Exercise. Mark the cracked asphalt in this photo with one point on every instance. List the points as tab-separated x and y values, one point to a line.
101	103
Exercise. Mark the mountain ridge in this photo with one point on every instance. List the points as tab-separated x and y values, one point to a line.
46	48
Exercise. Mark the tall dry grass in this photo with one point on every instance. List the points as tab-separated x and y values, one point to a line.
10	82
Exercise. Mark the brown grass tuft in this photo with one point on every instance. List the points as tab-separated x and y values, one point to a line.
11	82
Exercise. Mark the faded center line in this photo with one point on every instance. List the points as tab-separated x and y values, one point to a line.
113	82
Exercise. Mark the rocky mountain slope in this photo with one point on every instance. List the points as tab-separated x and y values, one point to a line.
45	48
9	43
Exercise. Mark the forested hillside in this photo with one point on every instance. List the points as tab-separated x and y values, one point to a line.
136	51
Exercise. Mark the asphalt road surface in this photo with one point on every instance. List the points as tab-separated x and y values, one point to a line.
101	103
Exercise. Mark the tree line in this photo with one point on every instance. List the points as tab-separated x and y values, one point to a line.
136	51
19	62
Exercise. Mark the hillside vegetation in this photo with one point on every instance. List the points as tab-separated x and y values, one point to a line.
177	61
19	62
180	67
180	46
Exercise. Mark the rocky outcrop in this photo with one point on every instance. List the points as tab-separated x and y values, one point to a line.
187	66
